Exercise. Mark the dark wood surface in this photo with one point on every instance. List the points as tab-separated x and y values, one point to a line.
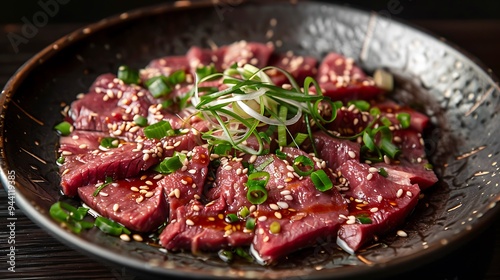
40	256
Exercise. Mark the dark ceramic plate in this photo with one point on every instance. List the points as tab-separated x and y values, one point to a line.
460	96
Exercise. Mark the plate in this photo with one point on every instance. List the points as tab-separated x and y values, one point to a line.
439	79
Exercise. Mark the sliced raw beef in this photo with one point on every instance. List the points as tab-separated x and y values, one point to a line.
164	66
119	163
198	57
109	103
349	121
243	52
81	142
335	151
305	215
186	183
390	109
381	203
412	166
137	203
341	79
299	67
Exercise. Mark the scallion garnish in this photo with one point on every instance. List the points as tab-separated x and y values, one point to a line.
70	216
204	71
60	160
250	100
222	149
244	212
303	165
364	219
140	121
428	166
64	128
404	119
250	223
159	130
107	181
300	138
383	172
109	142
158	86
225	255
231	218
170	164
242	253
256	185
280	154
362	105
128	75
321	180
110	227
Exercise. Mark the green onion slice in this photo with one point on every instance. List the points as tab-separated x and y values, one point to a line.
107	181
280	154
140	121
250	223
170	164
159	130
64	128
128	75
383	172
225	255
364	219
404	119
110	227
232	218
256	184
159	86
275	227
362	105
303	165
321	180
244	212
109	142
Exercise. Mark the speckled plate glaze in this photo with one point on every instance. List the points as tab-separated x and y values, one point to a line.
461	97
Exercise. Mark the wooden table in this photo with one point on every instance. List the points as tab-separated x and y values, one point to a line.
40	256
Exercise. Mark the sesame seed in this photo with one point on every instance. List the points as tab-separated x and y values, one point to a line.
373	170
288	197
145	157
408	193
134	189
374	209
149	194
196	208
252	159
399	193
401	233
103	194
124	237
290	168
379	198
352	154
266	238
116	207
282	204
262	218
228	167
83	146
177	193
189	222
280	187
369	176
285	192
278	215
387	160
139	199
274	206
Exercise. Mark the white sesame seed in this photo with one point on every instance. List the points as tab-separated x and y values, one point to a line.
373	170
252	159
189	222
124	237
369	176
274	206
408	193
374	209
134	189
290	168
352	154
149	194
145	157
262	218
379	198
103	194
116	207
387	160
282	204
177	193
401	233
278	215
399	193
139	199
228	167
288	197
285	192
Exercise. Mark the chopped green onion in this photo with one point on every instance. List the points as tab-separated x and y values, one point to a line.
385	121
250	223
282	128
303	165
321	180
170	164
244	212
280	154
265	163
70	216
167	103
242	253
404	119
107	181
110	227
205	71
364	219
428	166
225	255
389	148
383	172
375	111
140	121
128	75
60	160
368	141
159	130
256	194
64	128
177	77
109	142
275	227
158	86
362	105
222	149
232	218
300	138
